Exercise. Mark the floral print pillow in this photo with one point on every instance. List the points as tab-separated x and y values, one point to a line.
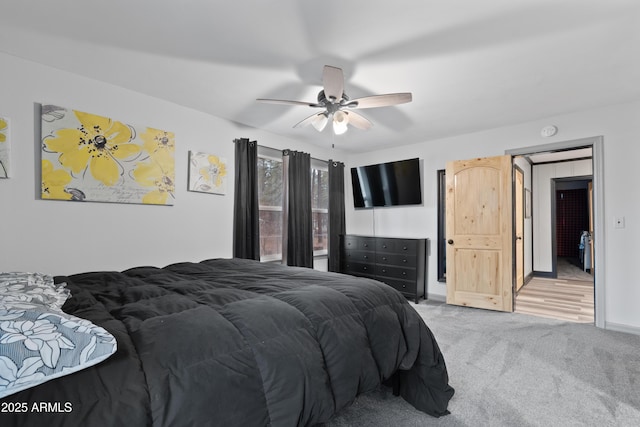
29	289
38	344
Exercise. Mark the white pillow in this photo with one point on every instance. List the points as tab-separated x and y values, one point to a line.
38	344
23	288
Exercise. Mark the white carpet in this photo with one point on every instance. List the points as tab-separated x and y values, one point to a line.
513	369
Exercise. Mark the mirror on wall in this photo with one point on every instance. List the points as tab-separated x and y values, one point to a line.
442	250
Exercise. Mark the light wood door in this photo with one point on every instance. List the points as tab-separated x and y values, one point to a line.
479	233
518	213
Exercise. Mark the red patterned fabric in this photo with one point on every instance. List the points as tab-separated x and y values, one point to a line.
572	218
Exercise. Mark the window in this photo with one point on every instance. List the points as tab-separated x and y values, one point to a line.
270	184
270	199
320	206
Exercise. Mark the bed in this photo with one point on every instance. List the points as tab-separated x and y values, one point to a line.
235	342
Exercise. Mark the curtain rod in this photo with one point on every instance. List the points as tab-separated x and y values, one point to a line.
275	149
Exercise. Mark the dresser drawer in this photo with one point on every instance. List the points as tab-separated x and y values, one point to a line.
360	268
396	245
401	260
359	256
404	286
403	273
359	243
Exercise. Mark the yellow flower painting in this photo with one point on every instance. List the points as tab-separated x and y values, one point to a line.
54	182
207	173
107	160
4	147
158	177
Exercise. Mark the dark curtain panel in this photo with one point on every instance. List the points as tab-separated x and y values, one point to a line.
336	213
299	242
246	225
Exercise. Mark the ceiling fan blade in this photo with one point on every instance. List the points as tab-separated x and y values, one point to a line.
358	120
333	82
287	102
318	120
375	101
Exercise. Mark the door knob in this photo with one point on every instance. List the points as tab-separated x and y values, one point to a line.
518	237
450	241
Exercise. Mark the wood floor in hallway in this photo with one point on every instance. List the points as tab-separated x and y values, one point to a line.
564	299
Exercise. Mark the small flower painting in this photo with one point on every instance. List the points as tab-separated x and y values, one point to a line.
207	173
4	147
86	157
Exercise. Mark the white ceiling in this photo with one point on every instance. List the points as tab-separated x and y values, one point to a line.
470	64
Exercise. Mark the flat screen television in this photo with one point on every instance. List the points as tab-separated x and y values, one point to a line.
387	184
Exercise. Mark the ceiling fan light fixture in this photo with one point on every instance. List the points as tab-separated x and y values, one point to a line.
340	122
320	122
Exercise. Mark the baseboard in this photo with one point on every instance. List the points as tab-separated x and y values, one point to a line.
618	327
437	297
548	274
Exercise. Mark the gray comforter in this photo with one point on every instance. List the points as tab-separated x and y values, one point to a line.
233	342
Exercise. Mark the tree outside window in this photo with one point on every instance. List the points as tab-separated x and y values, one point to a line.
270	198
270	184
320	208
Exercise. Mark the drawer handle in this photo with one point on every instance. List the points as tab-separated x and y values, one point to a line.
384	258
404	273
404	248
404	260
364	268
404	286
384	271
384	246
366	245
366	257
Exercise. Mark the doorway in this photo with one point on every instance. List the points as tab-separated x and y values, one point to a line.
561	286
569	149
572	210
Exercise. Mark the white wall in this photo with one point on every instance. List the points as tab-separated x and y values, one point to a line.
620	127
59	237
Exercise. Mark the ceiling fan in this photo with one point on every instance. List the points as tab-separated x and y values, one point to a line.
337	106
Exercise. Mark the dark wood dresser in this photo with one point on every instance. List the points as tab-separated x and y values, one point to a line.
400	263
